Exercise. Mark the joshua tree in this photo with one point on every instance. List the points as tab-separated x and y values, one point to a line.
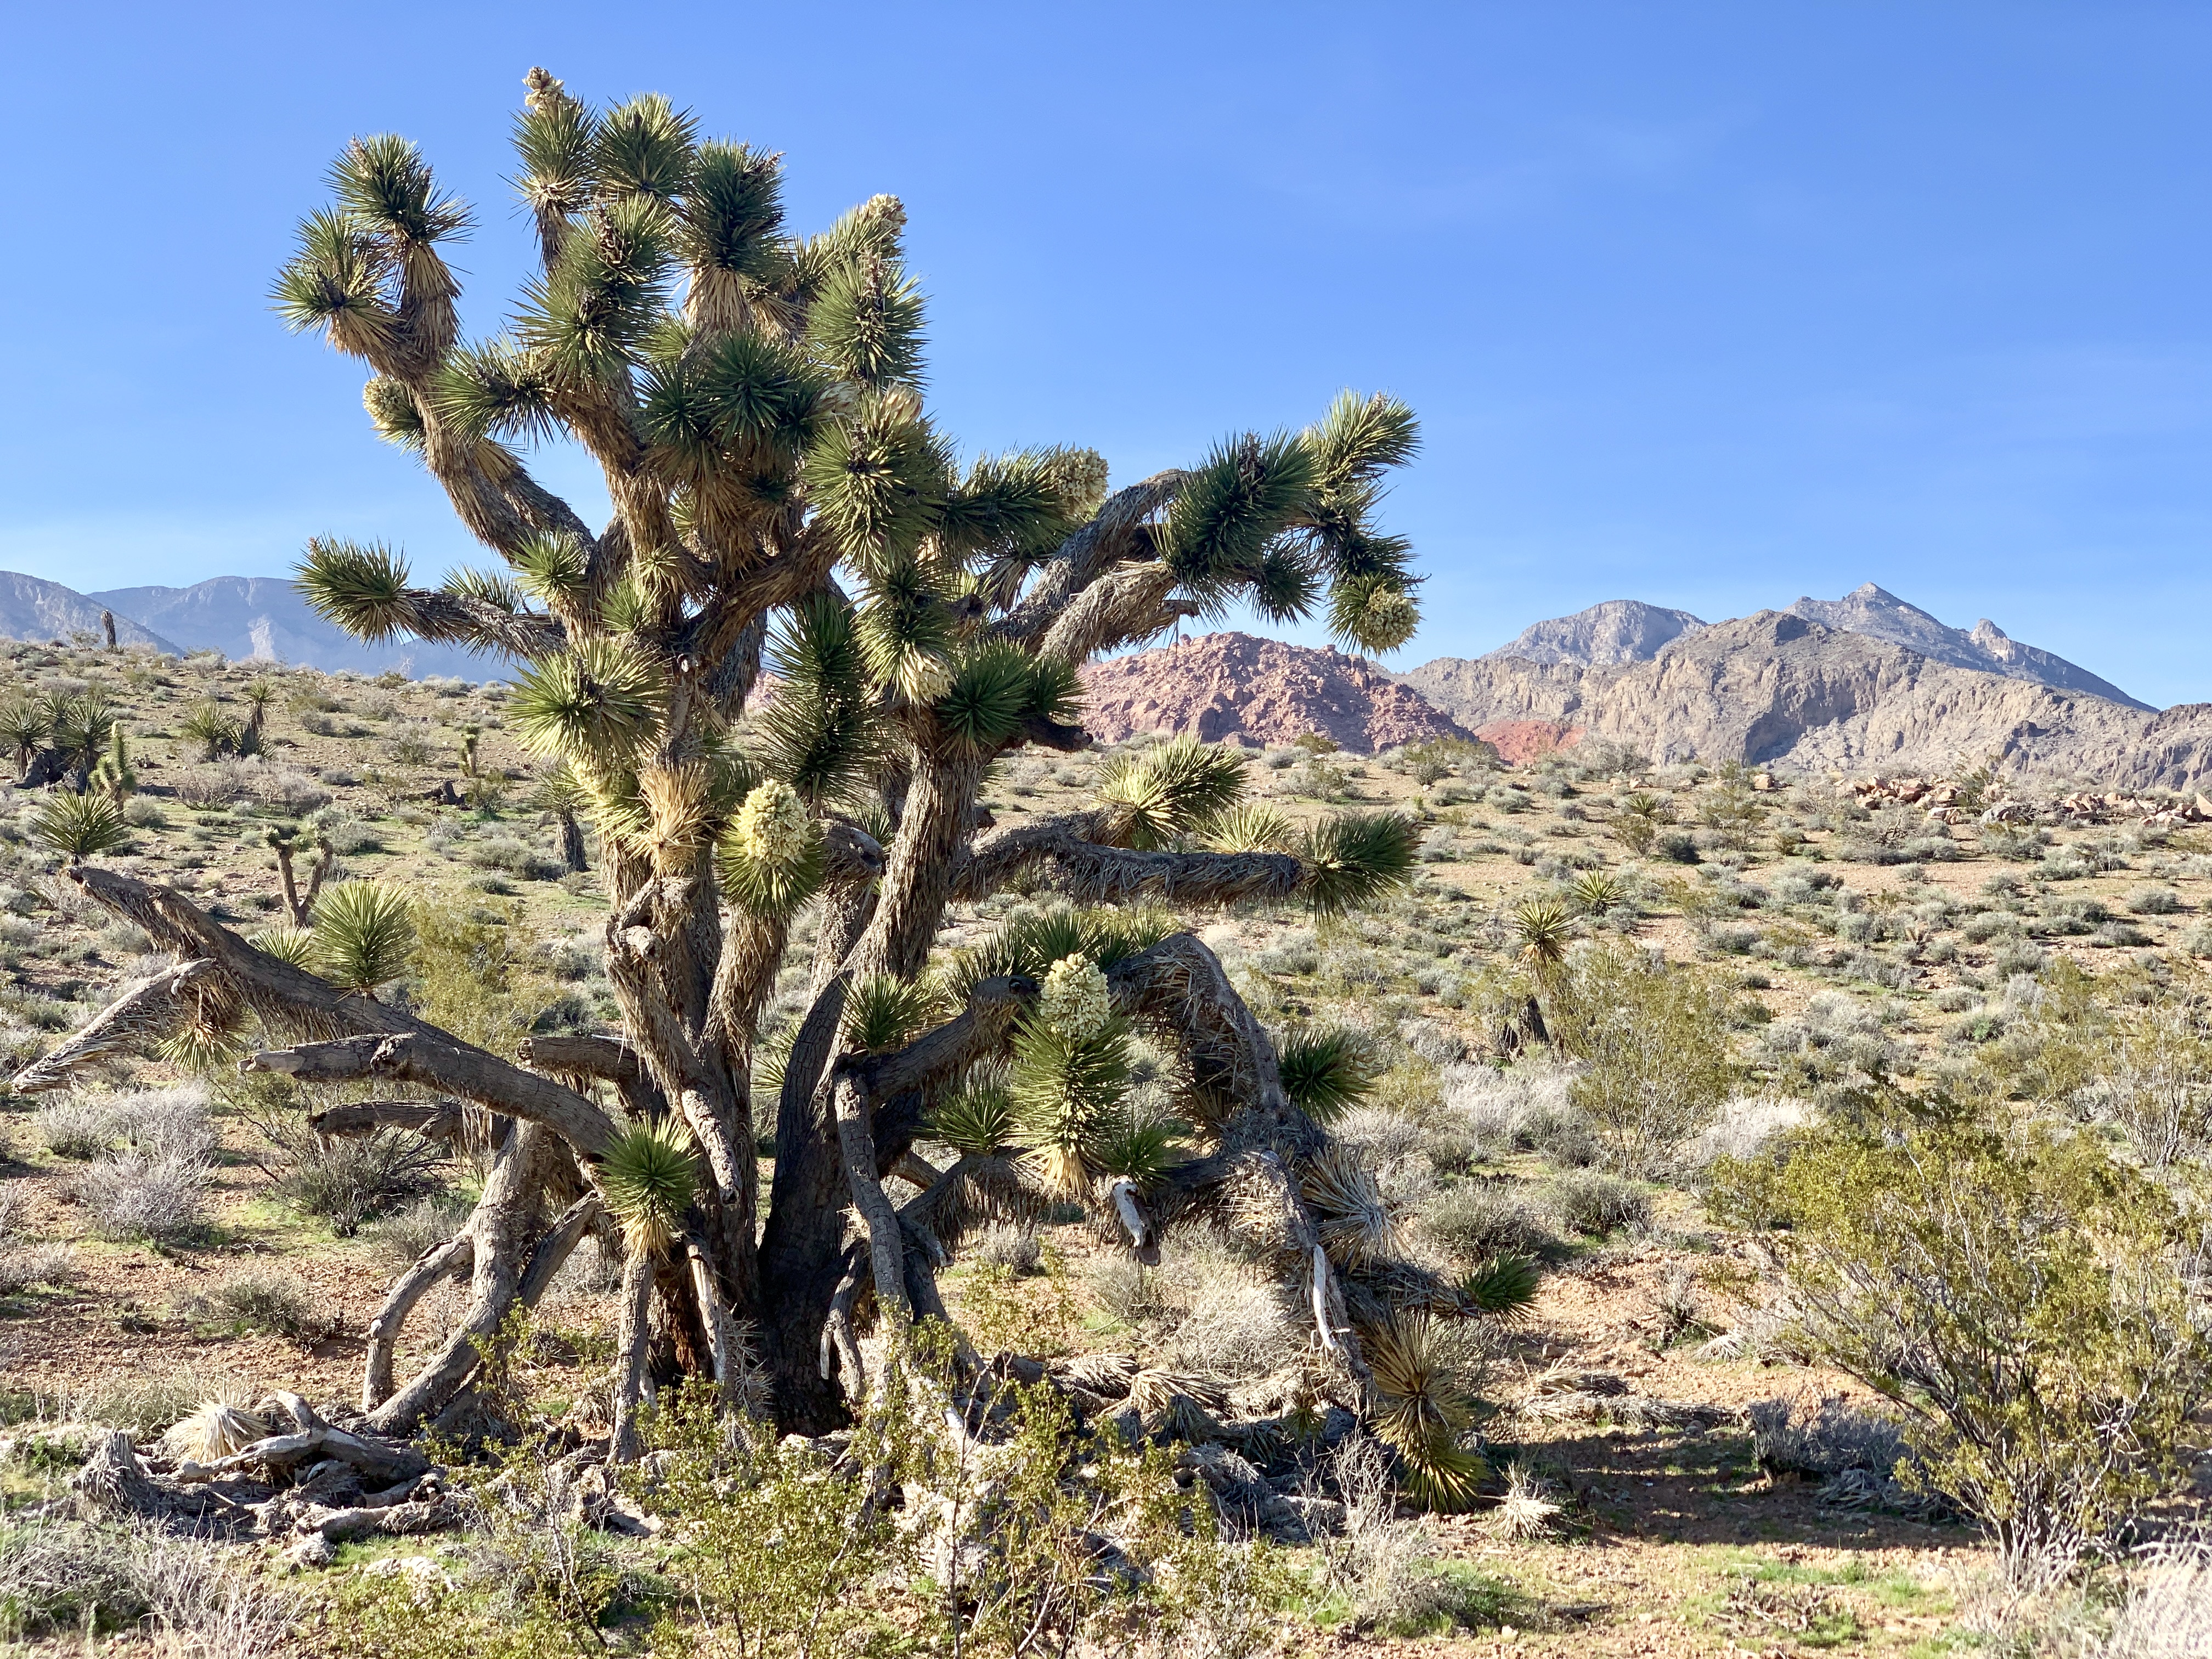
259	693
559	793
753	399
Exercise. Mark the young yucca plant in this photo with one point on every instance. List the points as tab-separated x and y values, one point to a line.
364	933
1596	891
82	724
1544	931
25	723
1355	857
79	826
1326	1072
649	1177
215	733
1155	797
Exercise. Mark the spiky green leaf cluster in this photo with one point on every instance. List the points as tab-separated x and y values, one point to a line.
1155	797
1425	1372
975	1119
1353	858
883	1013
1327	1072
649	1177
996	689
597	700
364	935
1028	944
81	826
819	733
1066	1090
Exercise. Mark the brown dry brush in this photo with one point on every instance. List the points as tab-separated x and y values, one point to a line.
753	399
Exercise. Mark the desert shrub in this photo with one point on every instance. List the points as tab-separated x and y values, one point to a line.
2198	941
1675	845
73	1127
160	1198
515	858
148	1400
410	745
349	1180
257	1299
406	1232
2152	901
480	975
72	1580
215	785
1742	1127
1214	1312
1476	1220
1016	1249
165	1122
1594	1203
1653	1042
287	789
1389	1569
60	1579
143	812
2151	1074
2014	1291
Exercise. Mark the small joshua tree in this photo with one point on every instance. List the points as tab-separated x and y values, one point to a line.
781	495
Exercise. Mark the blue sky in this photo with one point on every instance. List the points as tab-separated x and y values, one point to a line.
1712	305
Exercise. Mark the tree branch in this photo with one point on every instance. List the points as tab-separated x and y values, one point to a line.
1110	536
148	1010
433	1120
434	1060
1058	850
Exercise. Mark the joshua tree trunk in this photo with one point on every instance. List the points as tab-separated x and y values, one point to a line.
107	626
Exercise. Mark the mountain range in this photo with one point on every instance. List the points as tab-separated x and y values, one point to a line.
242	616
1866	683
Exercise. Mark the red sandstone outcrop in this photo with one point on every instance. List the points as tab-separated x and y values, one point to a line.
1224	686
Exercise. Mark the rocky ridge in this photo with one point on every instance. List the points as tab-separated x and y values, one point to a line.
1225	687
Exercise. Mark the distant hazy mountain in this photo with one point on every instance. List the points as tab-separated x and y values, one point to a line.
1883	616
1619	630
246	617
34	609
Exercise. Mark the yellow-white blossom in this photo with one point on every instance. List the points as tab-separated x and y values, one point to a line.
772	827
1076	1001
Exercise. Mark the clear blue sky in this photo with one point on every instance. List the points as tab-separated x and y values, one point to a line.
1712	305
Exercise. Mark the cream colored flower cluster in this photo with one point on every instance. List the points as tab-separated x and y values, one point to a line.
772	828
1076	1001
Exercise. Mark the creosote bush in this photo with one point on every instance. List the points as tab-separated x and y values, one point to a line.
2016	1291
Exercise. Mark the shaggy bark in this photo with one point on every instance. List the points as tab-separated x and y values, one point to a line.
147	1012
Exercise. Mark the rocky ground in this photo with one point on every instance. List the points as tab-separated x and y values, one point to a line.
1852	934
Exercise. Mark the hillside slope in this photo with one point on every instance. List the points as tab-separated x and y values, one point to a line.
39	610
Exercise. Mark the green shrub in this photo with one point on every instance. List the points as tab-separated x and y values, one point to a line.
1653	1040
2013	1289
1593	1203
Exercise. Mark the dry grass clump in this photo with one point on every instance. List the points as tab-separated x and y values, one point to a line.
149	1402
1593	1203
64	1578
258	1299
159	1198
1476	1220
215	1429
